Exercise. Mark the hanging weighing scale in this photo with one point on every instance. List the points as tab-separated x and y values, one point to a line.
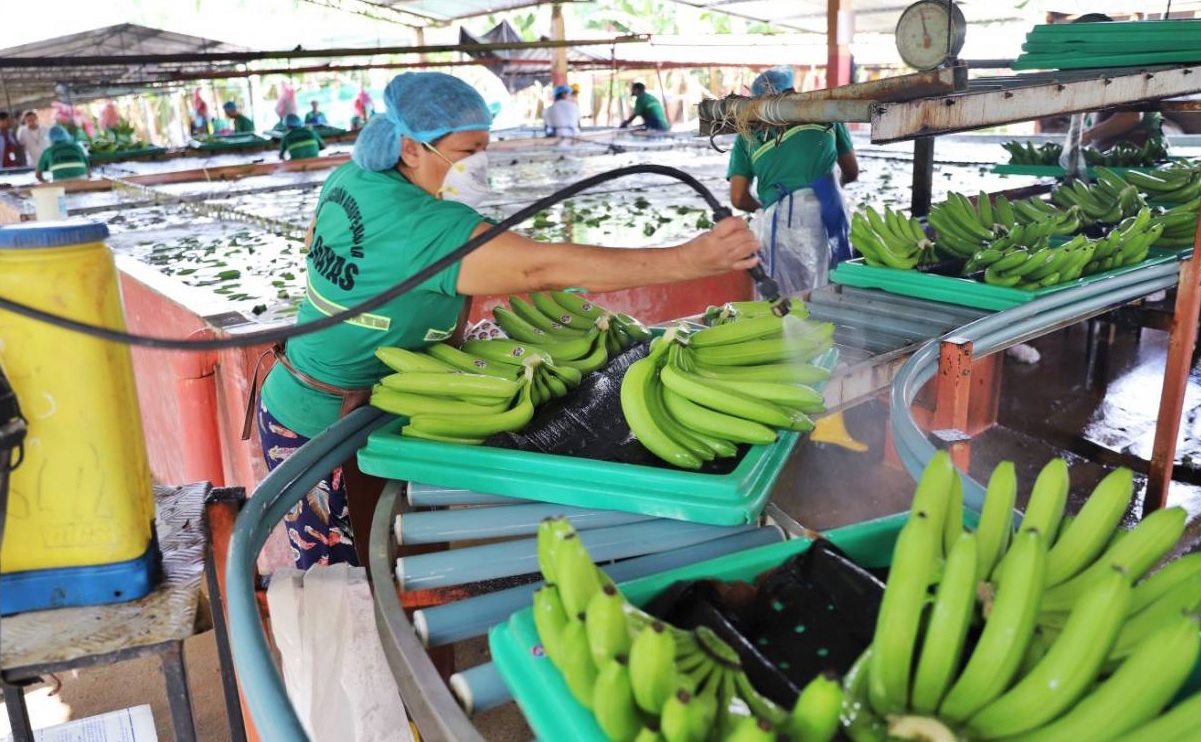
930	34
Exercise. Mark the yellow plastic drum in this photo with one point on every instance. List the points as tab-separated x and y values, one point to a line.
83	495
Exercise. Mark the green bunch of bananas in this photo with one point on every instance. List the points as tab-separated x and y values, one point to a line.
890	239
648	681
551	318
1126	244
732	311
1172	184
696	396
1065	646
1179	225
1126	154
965	228
1025	153
1108	201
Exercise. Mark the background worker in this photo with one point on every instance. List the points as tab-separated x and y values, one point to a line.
648	107
9	148
241	124
300	143
562	118
315	117
804	225
405	200
63	159
33	138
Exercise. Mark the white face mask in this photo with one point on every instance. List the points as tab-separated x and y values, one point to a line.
467	180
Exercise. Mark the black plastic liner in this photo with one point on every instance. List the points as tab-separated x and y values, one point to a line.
588	424
815	613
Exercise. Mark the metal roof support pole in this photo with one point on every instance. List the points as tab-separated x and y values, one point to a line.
8	104
1175	381
663	94
558	57
250	96
923	175
839	30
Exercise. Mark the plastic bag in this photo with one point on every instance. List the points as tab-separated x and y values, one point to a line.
333	664
287	101
796	248
1071	159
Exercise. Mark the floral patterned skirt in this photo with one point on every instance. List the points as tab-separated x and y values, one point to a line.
319	525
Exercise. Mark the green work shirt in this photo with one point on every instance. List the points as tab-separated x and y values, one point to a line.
64	161
301	144
799	156
650	109
243	125
373	230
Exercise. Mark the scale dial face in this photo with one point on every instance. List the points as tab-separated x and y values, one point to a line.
921	33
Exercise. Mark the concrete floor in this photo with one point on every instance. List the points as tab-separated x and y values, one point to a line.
1096	411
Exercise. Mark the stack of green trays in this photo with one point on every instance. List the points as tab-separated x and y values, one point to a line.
967	292
731	499
1123	44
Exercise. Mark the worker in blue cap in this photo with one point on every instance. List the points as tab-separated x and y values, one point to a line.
407	198
301	142
241	124
63	159
803	222
562	118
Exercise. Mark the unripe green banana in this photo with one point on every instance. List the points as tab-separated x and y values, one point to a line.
569	376
1135	552
933	494
577	304
608	630
991	276
639	332
400	359
750	729
613	702
1162	582
535	317
1089	533
954	606
638	388
1179	724
900	613
453	384
860	723
1136	692
815	717
578	578
1048	499
1008	627
517	328
576	662
714	396
506	352
556	386
457	359
1184	598
593	359
795	396
479	426
763	327
650	732
678	719
550	620
556	313
652	667
550	532
782	373
710	422
408	405
1070	665
924	728
996	519
758	352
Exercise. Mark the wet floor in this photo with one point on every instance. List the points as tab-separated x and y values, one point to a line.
1093	399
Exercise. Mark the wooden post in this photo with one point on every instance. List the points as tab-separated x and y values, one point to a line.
953	394
839	20
923	176
558	32
419	37
1175	381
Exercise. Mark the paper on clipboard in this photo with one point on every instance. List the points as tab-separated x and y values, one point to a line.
134	724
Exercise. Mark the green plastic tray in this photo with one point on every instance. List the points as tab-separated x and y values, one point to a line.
1055	171
729	499
231	142
127	154
966	292
538	687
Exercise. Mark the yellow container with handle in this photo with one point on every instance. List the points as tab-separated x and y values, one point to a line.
83	496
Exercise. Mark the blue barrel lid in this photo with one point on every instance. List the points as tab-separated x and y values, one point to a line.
30	235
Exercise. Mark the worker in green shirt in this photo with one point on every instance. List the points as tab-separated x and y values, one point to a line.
406	199
63	159
300	143
648	107
241	124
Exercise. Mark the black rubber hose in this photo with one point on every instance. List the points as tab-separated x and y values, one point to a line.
283	333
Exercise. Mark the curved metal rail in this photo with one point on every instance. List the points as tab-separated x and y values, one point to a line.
997	332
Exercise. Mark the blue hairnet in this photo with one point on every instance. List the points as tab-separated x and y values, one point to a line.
562	90
229	105
422	106
292	121
775	80
58	134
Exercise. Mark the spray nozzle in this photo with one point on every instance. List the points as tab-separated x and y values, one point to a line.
767	286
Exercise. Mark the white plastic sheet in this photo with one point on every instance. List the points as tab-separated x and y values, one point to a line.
332	660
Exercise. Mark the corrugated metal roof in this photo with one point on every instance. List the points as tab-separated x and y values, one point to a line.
871	16
36	86
450	10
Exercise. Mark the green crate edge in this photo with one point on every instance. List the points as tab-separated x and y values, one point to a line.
966	292
1055	171
124	154
736	498
539	689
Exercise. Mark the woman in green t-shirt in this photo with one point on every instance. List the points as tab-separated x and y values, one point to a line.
404	201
